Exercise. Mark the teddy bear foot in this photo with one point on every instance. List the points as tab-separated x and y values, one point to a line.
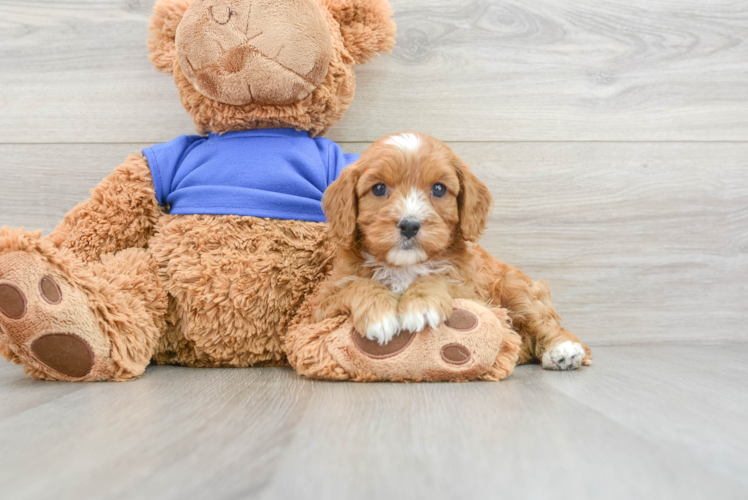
46	323
476	343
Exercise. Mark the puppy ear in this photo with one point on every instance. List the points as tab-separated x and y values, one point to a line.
162	33
474	202
340	204
366	26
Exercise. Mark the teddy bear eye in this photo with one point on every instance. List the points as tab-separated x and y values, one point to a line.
439	190
379	190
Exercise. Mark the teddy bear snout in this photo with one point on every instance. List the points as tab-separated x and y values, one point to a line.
272	52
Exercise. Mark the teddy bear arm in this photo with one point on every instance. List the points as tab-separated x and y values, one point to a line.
121	213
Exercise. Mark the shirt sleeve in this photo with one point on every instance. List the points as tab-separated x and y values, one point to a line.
164	159
337	161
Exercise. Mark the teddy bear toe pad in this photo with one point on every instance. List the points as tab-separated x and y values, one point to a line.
462	320
455	354
50	291
12	301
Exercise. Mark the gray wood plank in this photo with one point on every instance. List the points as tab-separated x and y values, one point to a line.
692	400
176	433
637	424
640	242
517	439
19	393
467	70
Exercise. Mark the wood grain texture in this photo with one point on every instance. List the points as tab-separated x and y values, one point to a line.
660	422
463	70
640	242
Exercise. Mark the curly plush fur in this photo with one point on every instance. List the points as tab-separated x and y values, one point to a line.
138	284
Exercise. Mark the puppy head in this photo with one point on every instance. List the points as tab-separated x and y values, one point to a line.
408	199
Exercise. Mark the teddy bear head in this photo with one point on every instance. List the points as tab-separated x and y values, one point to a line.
248	64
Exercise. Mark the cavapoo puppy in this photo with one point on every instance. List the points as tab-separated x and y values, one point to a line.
405	218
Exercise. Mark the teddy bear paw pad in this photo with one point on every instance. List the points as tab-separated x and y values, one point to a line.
455	354
375	350
64	352
462	320
45	320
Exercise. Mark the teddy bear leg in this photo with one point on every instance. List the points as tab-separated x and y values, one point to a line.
68	320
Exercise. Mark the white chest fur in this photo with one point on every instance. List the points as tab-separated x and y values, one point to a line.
398	279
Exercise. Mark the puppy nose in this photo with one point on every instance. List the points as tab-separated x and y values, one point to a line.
409	227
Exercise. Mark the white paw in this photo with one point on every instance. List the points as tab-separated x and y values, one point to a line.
565	356
415	322
383	331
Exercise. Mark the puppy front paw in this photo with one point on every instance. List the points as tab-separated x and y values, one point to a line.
565	356
417	314
383	330
417	321
375	317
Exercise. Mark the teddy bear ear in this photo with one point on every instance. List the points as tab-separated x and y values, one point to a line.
366	25
162	33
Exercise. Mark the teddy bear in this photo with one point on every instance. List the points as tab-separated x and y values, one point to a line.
208	250
200	251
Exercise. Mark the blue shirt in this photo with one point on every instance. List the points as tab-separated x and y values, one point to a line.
275	173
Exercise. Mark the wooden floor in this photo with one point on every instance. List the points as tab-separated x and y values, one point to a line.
655	422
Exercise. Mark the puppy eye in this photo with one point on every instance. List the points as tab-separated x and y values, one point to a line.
439	190
379	190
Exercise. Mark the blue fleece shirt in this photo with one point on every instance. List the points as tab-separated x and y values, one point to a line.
275	173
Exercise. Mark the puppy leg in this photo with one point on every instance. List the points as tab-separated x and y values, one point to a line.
371	306
536	319
426	302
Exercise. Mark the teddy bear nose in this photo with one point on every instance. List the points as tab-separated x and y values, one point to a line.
409	227
221	13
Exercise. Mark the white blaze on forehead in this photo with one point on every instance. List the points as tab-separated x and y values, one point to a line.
414	205
408	143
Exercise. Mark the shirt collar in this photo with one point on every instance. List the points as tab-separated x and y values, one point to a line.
264	132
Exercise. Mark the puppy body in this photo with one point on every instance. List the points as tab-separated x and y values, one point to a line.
405	218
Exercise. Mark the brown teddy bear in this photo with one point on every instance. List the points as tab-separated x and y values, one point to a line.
200	251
